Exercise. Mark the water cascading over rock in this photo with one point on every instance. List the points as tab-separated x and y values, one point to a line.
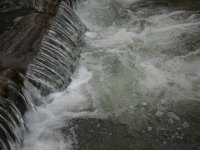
59	51
37	38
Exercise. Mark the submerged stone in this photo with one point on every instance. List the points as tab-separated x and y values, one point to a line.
104	134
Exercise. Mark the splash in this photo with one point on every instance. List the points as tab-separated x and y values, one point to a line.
139	68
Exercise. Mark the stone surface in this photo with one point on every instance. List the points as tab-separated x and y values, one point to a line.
159	133
20	44
100	134
186	4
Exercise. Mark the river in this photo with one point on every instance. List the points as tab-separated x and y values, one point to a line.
139	67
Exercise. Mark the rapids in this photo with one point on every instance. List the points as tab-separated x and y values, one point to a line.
139	65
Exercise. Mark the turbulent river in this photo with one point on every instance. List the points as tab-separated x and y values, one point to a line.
139	68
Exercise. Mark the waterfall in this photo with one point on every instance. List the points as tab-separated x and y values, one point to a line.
12	125
49	71
59	51
136	85
130	82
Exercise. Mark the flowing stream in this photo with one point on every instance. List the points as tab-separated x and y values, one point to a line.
139	64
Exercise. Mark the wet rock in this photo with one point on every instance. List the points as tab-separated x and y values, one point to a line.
13	75
186	4
3	91
158	133
23	25
98	134
26	37
10	88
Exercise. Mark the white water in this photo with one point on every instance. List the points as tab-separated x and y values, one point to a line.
59	51
46	122
131	59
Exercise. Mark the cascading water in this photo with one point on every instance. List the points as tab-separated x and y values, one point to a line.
51	70
59	51
139	68
12	125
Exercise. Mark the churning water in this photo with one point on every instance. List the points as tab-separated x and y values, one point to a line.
140	64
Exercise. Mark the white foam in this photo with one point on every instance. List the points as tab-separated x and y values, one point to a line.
44	124
123	65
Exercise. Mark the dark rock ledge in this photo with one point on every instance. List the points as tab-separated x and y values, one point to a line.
157	133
